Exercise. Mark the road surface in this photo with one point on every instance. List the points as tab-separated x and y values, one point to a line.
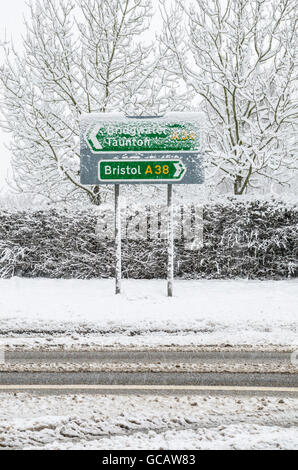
148	356
154	371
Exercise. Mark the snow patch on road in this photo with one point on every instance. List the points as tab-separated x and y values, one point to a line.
182	367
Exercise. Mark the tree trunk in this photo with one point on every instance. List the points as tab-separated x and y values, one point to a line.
241	183
95	197
238	188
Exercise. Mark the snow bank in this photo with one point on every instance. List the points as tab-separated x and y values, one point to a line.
86	313
147	422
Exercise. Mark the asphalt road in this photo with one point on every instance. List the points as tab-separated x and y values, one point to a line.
23	357
156	378
52	380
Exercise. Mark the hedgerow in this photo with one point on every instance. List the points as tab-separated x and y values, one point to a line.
247	238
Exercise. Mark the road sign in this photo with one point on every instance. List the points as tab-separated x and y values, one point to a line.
171	138
121	149
143	137
141	170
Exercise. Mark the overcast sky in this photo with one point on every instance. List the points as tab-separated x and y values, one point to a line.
11	13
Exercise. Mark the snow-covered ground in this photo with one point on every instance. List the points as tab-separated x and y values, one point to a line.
61	313
147	422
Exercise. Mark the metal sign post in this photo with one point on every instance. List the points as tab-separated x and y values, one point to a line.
138	150
117	240
170	268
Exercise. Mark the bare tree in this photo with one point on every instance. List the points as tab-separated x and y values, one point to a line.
80	56
240	58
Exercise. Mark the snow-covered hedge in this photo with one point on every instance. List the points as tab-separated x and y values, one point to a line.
254	239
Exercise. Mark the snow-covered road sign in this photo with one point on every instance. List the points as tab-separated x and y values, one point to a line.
159	149
120	149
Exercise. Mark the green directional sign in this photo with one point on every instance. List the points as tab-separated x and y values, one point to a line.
140	136
144	149
140	170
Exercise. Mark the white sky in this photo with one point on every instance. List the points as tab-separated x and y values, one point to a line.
11	13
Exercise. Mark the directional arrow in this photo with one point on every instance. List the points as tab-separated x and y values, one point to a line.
92	140
179	169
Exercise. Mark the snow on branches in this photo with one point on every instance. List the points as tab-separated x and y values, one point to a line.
235	60
80	56
240	58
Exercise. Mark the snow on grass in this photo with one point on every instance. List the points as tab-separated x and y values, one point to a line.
86	313
147	422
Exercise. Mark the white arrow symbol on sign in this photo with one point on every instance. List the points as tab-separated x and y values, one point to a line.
93	137
179	169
